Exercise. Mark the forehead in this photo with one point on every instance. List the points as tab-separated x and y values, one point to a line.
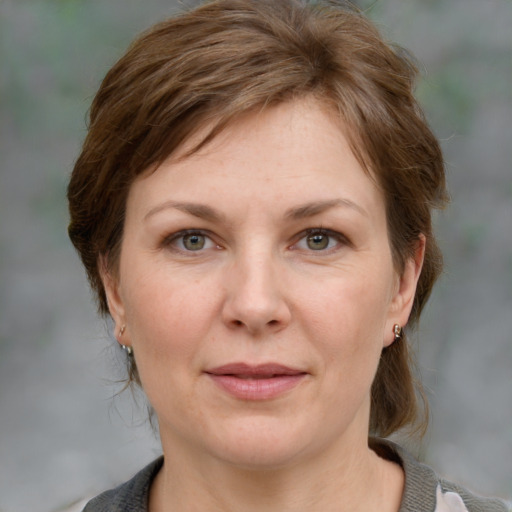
285	153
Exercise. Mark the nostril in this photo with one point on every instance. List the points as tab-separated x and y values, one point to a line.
239	323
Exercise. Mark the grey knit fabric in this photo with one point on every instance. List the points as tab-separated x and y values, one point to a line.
132	496
422	488
422	485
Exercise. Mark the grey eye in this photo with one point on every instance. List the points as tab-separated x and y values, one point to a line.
194	242
317	241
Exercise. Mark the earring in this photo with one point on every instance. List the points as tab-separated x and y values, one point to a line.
128	350
398	332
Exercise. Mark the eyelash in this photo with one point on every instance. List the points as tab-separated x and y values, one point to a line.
338	237
171	241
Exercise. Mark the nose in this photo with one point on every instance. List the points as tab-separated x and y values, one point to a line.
255	299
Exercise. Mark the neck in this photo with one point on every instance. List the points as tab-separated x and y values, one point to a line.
351	479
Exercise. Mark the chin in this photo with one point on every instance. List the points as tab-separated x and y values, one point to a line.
262	444
260	457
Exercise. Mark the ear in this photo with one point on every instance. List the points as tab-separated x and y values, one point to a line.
115	304
405	292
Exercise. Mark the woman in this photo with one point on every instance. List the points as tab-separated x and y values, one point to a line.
253	208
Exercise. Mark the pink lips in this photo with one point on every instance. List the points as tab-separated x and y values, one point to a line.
260	382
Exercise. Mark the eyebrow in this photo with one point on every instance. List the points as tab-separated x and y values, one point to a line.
205	212
197	210
317	207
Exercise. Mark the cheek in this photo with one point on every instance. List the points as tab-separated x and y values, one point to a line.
351	309
347	325
167	317
167	322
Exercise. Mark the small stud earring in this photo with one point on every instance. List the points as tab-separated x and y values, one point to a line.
127	349
398	332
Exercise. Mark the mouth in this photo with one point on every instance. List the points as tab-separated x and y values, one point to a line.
256	382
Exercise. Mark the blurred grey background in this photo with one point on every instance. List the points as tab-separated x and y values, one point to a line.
63	436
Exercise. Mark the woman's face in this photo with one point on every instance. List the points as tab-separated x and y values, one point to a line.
258	290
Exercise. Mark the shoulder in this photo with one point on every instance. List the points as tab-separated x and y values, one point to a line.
426	491
132	496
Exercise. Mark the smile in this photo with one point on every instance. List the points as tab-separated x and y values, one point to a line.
261	382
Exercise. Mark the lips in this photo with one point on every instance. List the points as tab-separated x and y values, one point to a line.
261	371
258	382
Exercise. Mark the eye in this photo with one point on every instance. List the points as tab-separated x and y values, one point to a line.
320	240
190	241
317	241
194	242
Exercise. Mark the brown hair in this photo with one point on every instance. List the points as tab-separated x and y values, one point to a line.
228	57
